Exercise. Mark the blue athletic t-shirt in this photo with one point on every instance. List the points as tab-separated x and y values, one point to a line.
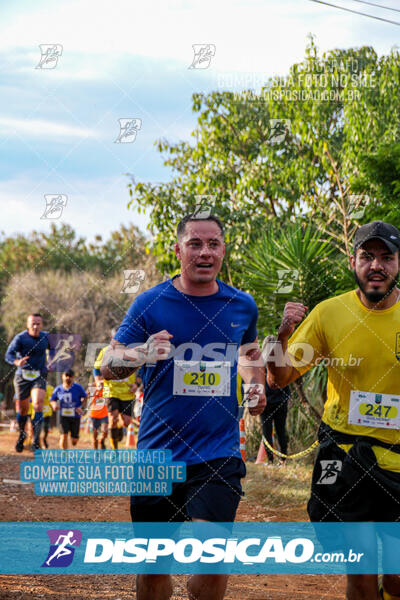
69	400
24	344
196	428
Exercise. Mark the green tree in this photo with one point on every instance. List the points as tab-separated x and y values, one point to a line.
76	285
337	106
61	249
378	181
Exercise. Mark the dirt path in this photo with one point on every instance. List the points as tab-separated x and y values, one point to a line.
20	504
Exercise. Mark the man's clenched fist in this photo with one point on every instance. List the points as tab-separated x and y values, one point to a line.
157	347
293	314
254	398
119	361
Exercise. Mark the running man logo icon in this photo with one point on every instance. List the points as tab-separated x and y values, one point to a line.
278	131
357	206
330	469
62	351
132	280
286	279
55	204
50	53
128	130
204	205
397	350
203	54
62	547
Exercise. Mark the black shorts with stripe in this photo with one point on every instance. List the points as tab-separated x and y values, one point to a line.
351	486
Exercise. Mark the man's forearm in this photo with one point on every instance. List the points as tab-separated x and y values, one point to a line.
110	371
121	361
280	372
251	364
10	358
252	371
252	374
115	364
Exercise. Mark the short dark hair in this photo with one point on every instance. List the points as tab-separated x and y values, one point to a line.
69	372
35	315
180	230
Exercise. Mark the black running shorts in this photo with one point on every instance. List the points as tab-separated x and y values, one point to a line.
350	486
124	407
70	425
211	492
23	387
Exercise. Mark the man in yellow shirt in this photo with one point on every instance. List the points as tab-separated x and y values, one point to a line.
47	412
120	395
357	334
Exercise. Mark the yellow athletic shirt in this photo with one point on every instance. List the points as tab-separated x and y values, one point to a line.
362	348
119	388
47	410
239	394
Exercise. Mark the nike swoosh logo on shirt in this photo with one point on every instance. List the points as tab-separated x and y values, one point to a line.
234	324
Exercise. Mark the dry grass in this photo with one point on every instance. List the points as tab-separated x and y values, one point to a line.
286	487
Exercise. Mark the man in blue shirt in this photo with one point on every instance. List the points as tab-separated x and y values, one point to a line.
68	399
192	334
27	351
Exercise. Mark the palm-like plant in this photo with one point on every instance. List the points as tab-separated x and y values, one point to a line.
295	263
292	263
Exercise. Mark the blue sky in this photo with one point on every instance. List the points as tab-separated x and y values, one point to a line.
130	59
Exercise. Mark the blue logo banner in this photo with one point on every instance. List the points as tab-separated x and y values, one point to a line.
185	548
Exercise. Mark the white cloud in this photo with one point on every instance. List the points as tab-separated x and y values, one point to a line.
43	129
98	206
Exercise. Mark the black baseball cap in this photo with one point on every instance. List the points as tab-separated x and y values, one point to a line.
389	234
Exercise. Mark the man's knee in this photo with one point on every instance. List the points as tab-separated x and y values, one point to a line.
360	587
37	404
153	587
22	406
127	420
211	587
153	579
391	585
37	395
114	418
